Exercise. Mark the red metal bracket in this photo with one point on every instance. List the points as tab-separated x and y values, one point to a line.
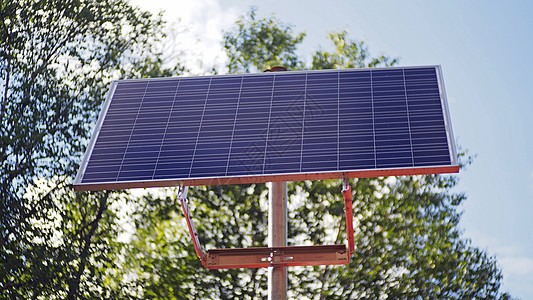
261	257
182	196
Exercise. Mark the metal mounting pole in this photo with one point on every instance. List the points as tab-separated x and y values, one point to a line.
277	237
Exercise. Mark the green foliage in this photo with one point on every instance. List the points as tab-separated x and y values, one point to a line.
349	54
69	249
407	242
163	259
256	45
408	245
57	59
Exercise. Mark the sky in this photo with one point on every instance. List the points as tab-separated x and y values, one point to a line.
484	48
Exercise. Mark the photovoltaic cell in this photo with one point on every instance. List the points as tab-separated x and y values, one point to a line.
270	126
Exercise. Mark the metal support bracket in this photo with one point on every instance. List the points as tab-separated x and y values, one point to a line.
200	252
261	257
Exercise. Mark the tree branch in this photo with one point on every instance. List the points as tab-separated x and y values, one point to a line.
27	214
74	285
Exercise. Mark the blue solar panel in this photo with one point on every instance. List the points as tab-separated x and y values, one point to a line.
270	126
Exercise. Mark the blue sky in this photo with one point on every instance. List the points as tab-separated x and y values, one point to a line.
485	50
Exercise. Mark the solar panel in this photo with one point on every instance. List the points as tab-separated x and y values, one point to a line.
302	125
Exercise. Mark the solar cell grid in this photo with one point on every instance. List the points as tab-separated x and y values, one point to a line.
255	127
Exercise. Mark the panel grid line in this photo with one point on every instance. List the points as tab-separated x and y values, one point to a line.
408	118
268	126
373	119
131	133
303	124
200	126
234	124
166	128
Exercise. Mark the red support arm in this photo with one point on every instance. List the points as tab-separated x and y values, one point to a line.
182	195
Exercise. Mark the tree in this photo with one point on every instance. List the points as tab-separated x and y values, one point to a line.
348	54
408	243
256	45
57	60
161	256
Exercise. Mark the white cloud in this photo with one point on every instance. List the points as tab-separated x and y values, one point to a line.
515	262
516	265
201	25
